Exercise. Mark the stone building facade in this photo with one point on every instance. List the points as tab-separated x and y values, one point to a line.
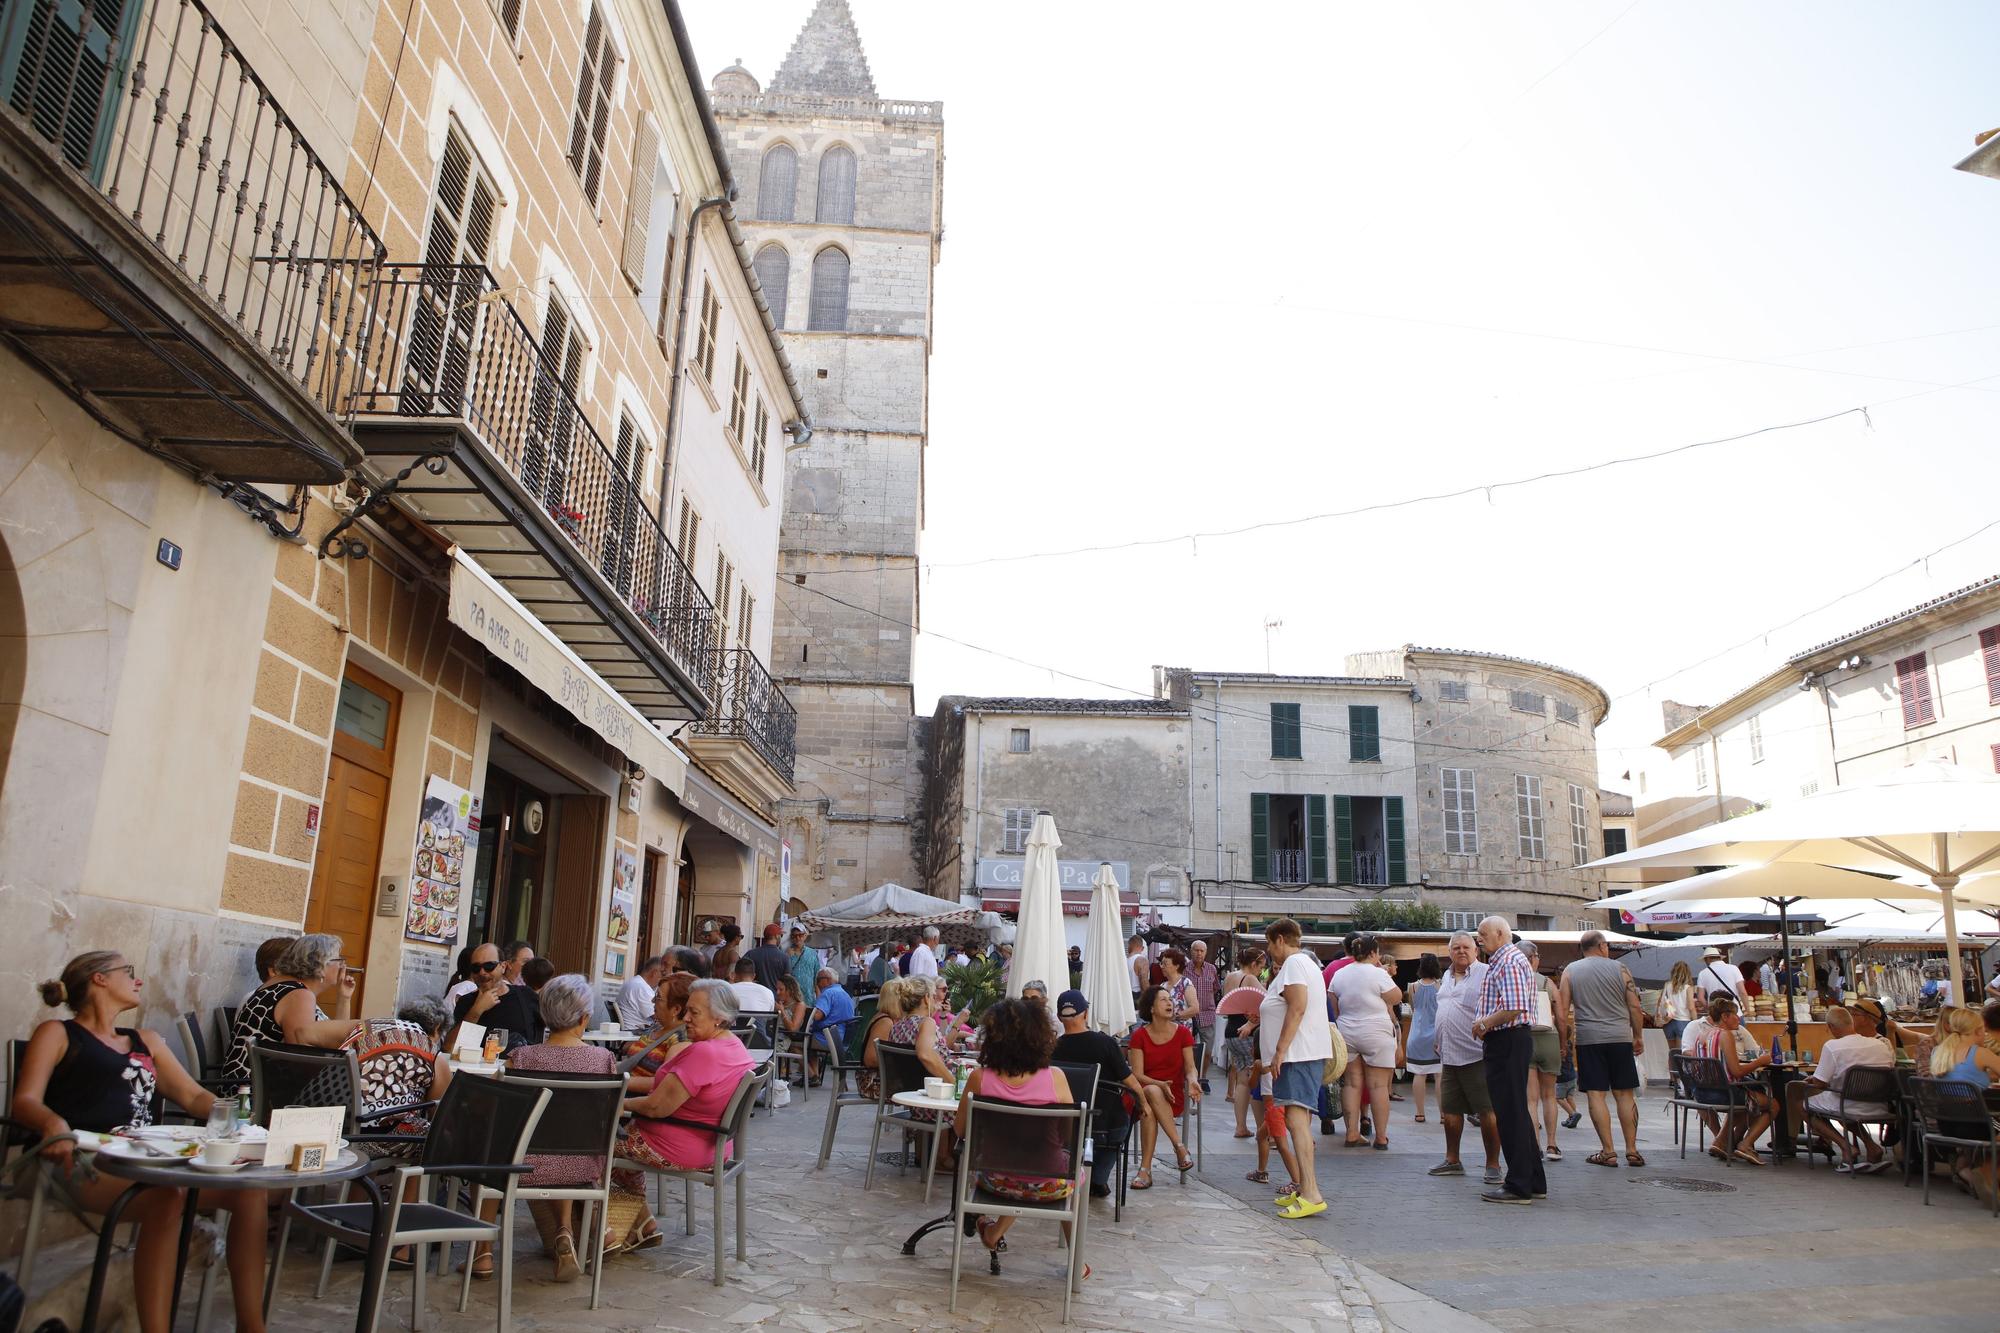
842	208
1112	772
367	507
1922	684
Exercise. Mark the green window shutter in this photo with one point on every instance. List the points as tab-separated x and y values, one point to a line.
1285	732
1316	839
1364	733
1260	836
1392	833
1343	839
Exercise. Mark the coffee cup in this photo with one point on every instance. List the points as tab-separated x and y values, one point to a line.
218	1152
937	1088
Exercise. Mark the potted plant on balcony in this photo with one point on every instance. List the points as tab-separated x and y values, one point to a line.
571	520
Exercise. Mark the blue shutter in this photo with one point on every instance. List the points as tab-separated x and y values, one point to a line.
1392	832
1316	839
1343	839
1260	836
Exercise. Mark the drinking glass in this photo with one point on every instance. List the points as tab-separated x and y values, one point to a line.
222	1118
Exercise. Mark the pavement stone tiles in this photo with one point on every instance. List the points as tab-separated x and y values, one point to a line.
1689	1245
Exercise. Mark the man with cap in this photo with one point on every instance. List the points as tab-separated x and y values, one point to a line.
1718	977
1080	1044
711	939
770	959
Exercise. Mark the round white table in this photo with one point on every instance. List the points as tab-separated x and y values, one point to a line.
612	1038
919	1100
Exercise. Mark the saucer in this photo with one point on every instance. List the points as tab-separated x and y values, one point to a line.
213	1169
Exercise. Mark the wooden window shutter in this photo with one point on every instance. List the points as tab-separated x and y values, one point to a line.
1364	733
591	123
1989	649
1343	839
639	204
1996	759
1260	836
1316	839
1392	834
1285	738
1913	682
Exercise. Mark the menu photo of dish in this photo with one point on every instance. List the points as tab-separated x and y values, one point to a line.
447	834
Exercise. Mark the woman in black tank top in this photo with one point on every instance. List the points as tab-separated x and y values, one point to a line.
86	1073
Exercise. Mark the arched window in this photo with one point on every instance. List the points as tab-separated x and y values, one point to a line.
774	273
829	292
777	184
836	186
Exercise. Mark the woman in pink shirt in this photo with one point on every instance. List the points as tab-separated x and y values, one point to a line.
695	1083
1014	1067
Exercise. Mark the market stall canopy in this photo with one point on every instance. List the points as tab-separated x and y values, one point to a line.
1756	885
890	910
1936	820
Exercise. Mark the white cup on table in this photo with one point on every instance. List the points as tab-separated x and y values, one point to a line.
218	1152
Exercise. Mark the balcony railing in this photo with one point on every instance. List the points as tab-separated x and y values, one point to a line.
826	104
1288	866
445	343
153	105
749	705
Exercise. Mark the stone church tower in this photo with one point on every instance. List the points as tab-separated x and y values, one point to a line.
841	202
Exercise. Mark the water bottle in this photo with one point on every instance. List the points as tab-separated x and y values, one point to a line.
246	1114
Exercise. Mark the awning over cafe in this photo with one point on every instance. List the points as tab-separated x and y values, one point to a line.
489	613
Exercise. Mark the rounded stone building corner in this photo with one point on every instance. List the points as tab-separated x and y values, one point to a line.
736	81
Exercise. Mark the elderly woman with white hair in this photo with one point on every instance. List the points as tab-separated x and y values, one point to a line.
286	1008
694	1084
566	1002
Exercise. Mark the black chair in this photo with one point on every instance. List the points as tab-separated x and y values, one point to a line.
727	1164
481	1131
843	1091
1007	1137
1681	1102
1948	1112
581	1122
900	1070
1709	1079
202	1065
1110	1127
638	1057
1867	1096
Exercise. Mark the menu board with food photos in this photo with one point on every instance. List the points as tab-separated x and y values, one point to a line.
447	848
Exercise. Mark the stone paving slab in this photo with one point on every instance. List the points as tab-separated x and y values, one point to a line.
826	1257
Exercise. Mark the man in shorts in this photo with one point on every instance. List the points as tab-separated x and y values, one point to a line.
1610	1034
1462	1076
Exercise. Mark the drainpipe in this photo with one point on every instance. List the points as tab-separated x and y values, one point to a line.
978	724
1216	715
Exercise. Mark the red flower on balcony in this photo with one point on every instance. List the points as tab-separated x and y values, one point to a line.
570	519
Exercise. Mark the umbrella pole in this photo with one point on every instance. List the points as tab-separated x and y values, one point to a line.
1946	883
1791	982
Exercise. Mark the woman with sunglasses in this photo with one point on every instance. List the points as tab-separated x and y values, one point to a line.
87	1073
1719	1043
286	1008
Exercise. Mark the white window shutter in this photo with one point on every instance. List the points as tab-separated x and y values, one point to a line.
639	207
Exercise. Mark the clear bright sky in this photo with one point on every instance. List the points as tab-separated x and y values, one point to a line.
1208	266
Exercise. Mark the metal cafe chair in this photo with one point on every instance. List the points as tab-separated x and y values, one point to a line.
1866	1097
727	1164
202	1065
901	1071
1712	1077
1010	1138
1946	1105
843	1091
581	1122
1110	1127
481	1131
1681	1101
1191	1110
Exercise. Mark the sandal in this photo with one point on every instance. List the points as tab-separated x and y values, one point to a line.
1635	1159
1554	1154
1244	1134
567	1268
1602	1159
1143	1181
1184	1161
1259	1177
480	1274
1419	1119
650	1240
981	1226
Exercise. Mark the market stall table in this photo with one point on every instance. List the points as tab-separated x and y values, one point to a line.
146	1172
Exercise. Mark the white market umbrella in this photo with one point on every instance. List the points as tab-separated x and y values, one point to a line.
1040	953
1107	980
1934	820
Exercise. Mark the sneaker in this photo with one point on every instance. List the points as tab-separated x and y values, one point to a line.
1572	1120
1448	1169
1502	1196
1100	1191
1493	1178
1367	1128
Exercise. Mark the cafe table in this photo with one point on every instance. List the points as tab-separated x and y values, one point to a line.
919	1100
612	1038
147	1171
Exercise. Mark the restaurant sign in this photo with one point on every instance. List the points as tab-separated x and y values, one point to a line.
1004	872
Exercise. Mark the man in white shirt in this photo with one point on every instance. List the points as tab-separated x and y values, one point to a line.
752	996
1767	977
1814	1101
923	958
635	997
1718	977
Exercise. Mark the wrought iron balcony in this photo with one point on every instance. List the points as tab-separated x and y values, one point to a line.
173	252
516	475
751	707
1288	866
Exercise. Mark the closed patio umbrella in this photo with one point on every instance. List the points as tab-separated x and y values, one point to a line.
1040	953
1107	981
1934	820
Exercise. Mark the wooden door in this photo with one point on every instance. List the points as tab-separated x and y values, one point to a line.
352	815
579	874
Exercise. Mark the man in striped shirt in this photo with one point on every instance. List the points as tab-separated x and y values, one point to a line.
1503	1021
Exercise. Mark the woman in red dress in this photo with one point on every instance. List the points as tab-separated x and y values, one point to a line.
1162	1056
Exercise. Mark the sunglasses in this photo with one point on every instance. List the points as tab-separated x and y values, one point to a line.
484	967
128	969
